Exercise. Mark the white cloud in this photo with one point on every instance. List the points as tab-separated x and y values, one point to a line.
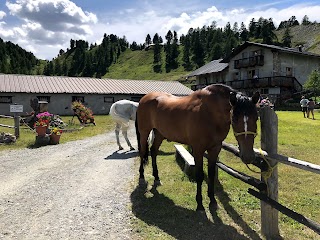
47	23
2	14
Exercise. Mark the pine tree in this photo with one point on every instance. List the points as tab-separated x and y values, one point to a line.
186	54
244	34
156	54
286	39
305	20
198	51
313	82
148	40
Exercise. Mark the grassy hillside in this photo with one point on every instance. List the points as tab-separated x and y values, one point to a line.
308	36
138	65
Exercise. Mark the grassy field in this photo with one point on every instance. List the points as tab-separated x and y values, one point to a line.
169	212
27	135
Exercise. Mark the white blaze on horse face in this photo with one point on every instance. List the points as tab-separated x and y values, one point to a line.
245	120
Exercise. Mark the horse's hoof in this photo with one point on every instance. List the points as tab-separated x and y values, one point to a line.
120	148
131	149
157	183
213	206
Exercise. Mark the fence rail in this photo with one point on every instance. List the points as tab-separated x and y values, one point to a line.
16	125
268	195
269	198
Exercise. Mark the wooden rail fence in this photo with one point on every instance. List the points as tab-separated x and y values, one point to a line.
16	125
268	186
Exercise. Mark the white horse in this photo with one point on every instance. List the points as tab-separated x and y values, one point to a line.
122	112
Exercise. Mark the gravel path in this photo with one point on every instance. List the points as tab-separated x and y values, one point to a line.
77	190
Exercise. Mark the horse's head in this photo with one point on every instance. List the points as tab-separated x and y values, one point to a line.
244	123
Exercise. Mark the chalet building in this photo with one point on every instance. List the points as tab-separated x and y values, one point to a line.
60	92
274	71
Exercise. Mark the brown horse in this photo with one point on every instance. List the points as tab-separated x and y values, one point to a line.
201	120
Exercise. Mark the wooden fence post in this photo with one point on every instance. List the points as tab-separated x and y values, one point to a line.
269	143
16	125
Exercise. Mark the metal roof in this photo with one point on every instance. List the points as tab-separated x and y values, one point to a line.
272	47
213	66
59	84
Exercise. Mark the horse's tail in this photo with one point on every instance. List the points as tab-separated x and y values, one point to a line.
151	137
137	132
145	157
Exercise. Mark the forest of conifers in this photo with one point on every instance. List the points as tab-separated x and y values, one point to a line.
191	50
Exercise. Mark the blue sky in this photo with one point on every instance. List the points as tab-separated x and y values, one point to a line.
46	26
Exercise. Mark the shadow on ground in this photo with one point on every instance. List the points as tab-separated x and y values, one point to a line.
155	209
122	155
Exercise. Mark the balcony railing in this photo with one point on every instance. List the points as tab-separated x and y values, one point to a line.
249	62
266	82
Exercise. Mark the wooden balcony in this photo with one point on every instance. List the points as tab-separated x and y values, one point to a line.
266	82
249	62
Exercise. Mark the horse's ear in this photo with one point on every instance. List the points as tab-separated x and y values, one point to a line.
233	98
255	97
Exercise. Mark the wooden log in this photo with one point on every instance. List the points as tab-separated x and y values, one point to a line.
7	126
189	164
261	155
16	125
243	177
5	116
290	213
269	143
294	162
258	162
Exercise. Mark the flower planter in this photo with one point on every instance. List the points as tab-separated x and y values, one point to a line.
54	138
41	130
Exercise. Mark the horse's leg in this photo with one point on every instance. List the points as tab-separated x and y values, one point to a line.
124	133
198	158
212	160
143	152
158	138
117	130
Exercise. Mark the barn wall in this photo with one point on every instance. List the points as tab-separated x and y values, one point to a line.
61	103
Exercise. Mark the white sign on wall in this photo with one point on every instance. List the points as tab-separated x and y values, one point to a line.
16	108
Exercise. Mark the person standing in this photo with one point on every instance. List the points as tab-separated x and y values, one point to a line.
311	104
304	105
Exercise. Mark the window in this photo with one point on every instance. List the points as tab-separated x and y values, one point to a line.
44	98
236	76
245	55
288	71
253	73
135	99
78	99
109	99
264	91
5	99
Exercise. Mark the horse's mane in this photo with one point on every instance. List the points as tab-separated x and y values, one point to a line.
242	104
220	88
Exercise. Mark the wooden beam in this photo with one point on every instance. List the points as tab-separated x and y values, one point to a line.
8	126
243	177
269	143
290	213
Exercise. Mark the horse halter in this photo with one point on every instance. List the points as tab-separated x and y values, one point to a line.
245	132
236	134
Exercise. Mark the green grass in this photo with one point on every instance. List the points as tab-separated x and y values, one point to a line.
27	135
139	65
169	211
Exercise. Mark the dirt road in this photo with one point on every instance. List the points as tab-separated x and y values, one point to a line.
77	190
